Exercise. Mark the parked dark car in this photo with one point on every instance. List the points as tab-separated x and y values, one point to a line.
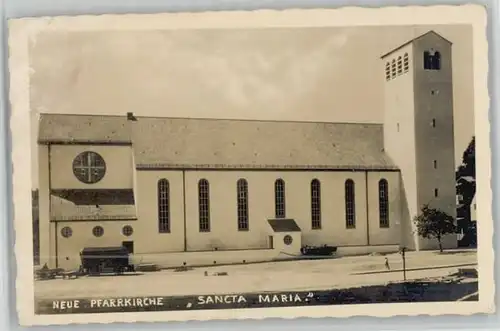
97	260
318	250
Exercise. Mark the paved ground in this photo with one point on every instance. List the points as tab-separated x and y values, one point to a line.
276	276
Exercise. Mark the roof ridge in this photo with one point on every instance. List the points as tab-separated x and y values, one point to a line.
412	40
255	120
81	115
124	117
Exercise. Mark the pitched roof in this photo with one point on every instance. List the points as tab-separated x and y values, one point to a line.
412	40
214	143
58	128
283	225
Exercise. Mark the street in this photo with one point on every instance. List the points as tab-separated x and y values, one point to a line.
301	275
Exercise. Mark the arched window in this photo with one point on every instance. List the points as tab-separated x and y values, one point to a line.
350	206
406	62
427	60
163	206
279	198
393	68
383	203
436	61
432	60
387	71
316	204
400	65
242	196
204	205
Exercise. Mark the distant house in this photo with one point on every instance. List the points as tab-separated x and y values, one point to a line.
473	208
36	226
464	183
466	209
466	180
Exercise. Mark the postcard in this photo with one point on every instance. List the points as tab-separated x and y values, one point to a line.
251	164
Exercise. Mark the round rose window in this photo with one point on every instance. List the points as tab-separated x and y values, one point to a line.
89	167
288	240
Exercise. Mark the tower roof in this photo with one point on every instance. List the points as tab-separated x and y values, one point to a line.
414	39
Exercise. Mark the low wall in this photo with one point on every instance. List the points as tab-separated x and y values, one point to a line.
206	258
168	260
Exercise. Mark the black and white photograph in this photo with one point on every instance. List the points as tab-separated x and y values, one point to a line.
238	164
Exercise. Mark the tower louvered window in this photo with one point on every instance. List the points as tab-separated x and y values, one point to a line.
406	63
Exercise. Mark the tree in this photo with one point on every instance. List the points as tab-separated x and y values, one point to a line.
466	188
467	169
469	158
433	223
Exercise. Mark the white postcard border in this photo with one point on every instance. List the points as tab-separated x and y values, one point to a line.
23	30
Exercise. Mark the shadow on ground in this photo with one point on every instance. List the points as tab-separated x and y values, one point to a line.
417	291
457	252
385	271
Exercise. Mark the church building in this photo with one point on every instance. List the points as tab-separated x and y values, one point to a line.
185	191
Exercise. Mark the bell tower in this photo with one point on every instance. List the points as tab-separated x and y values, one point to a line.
418	130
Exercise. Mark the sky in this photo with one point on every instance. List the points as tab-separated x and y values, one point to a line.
306	74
